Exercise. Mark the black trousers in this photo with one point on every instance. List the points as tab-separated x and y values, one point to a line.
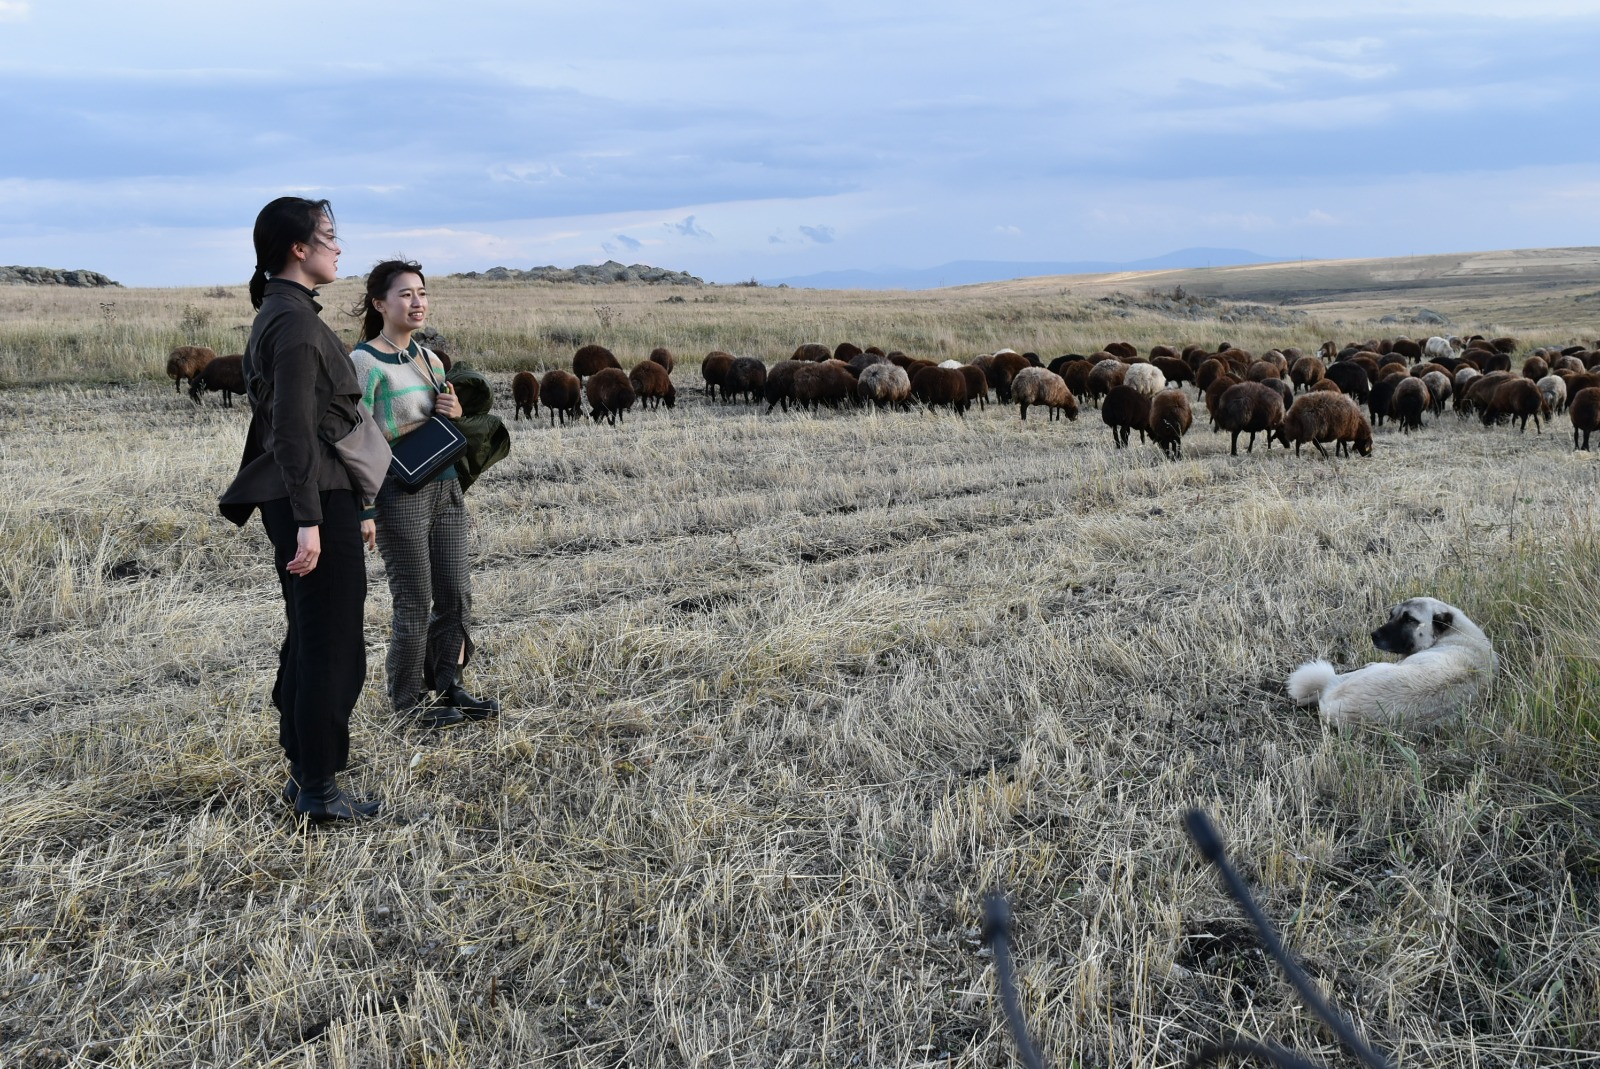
322	664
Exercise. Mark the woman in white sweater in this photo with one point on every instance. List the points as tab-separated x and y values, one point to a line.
422	536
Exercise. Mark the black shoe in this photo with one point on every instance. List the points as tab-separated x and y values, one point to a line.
322	801
434	714
291	787
471	708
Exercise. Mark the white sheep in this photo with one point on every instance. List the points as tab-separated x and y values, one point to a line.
1146	378
1437	348
1553	390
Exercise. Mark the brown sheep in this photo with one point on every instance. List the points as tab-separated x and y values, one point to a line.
977	384
1209	372
779	389
1514	398
1162	352
524	395
1103	378
1585	413
1125	408
1325	386
936	386
1170	419
1322	416
1504	345
1038	386
562	395
865	359
652	385
1177	371
1076	375
845	351
1480	391
1405	347
225	373
714	368
1249	408
884	384
1535	368
1351	378
746	375
828	383
1306	372
1000	372
1213	395
186	362
592	358
1121	349
610	394
663	356
812	351
1410	400
1439	389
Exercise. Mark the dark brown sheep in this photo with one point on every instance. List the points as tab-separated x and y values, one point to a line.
1125	409
1411	399
1480	391
592	358
1281	388
1177	371
779	389
713	369
1306	372
1380	399
942	386
1000	372
1209	372
747	375
865	359
1504	345
1326	386
828	383
1076	375
1410	350
1249	408
652	385
1514	399
1585	413
1535	368
812	351
1121	349
846	351
1322	416
562	395
1213	395
524	395
977	384
663	356
225	374
610	394
186	362
1162	352
1170	419
1351	378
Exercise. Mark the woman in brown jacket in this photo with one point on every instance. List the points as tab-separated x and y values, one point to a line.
304	393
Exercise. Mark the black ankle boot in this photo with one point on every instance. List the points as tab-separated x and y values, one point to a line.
471	708
291	787
323	800
433	714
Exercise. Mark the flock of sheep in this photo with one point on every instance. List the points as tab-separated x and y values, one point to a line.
1284	394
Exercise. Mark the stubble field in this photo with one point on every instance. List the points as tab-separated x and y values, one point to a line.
785	695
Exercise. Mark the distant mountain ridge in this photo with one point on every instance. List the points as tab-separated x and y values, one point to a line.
968	272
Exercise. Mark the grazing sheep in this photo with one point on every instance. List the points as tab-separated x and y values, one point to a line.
592	358
1516	398
828	383
562	395
1480	391
1170	419
225	373
1075	373
1410	401
1504	345
663	356
1122	349
865	359
652	385
1306	372
610	394
746	375
1103	378
1408	349
1281	388
977	385
1553	391
1146	378
1323	416
846	351
1249	408
1000	372
1039	386
1351	378
1162	352
982	362
1568	363
780	383
1439	389
1585	414
951	363
186	362
524	395
1177	372
1436	348
1535	368
1326	386
936	386
1214	392
1124	409
713	369
1209	372
884	384
813	351
1381	399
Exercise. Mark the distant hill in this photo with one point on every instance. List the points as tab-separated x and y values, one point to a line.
604	274
52	276
969	272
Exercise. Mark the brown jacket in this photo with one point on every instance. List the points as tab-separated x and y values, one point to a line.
305	393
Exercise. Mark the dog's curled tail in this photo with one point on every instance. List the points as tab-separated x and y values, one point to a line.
1307	682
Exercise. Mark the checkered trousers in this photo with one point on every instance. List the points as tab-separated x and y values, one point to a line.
423	540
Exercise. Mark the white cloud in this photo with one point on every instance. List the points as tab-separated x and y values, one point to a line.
1009	231
14	10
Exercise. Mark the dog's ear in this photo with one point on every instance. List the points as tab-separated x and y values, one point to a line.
1442	622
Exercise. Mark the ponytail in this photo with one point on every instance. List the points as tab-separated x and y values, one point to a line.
281	225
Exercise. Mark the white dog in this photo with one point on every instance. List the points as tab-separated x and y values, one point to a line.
1446	659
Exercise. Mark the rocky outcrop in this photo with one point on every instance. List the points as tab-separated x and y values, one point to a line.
52	276
604	274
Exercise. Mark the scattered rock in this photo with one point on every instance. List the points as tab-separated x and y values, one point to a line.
53	276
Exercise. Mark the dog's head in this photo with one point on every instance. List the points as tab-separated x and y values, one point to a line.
1414	625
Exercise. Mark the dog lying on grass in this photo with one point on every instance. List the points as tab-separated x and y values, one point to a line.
1446	659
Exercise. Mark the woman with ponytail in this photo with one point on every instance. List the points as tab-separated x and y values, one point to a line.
422	535
305	397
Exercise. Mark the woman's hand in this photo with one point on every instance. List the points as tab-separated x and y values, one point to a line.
447	404
369	533
308	551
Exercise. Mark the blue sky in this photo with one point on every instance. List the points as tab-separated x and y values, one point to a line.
735	139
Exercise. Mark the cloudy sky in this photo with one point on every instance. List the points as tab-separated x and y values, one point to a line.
781	138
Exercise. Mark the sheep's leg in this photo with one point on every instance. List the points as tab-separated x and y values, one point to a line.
1320	449
1024	410
1251	448
1235	449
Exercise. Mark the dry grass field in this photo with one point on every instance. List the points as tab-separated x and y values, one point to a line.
785	695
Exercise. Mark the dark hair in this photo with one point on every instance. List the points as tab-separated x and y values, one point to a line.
379	280
286	222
